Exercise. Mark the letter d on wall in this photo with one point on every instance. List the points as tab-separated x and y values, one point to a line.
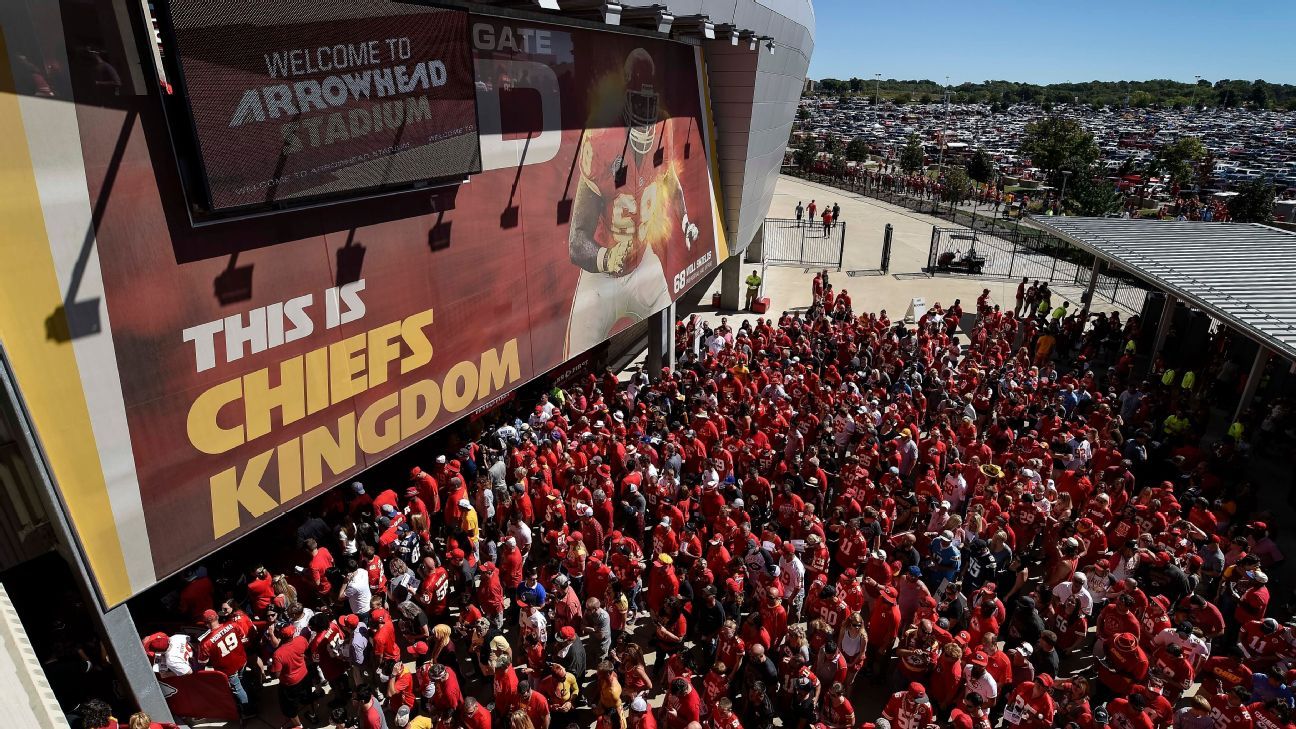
499	153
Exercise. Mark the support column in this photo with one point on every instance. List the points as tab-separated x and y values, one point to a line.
661	342
1086	301
756	250
1253	381
117	626
731	288
1163	328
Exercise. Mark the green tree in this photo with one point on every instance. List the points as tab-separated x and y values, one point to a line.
911	157
925	99
1093	198
1259	96
1180	158
958	186
802	113
856	85
1055	142
857	150
806	152
1254	202
981	167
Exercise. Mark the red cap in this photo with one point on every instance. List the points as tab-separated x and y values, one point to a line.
416	471
288	631
789	548
411	491
567	633
419	649
917	689
888	594
1045	680
349	621
210	615
159	643
379	615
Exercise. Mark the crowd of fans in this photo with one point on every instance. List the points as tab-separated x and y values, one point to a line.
824	519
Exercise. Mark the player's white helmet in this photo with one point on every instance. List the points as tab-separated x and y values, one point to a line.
640	111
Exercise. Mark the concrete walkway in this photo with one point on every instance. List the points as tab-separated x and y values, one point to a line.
790	288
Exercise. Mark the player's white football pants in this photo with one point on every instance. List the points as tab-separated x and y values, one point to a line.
602	300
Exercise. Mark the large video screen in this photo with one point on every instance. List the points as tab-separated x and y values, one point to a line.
296	101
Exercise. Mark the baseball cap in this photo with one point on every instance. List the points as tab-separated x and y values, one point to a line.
639	705
567	634
210	615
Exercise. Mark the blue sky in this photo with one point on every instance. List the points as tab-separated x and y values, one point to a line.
1052	41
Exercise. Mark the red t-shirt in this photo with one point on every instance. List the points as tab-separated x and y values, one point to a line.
319	564
289	662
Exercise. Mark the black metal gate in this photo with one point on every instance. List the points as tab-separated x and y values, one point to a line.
798	243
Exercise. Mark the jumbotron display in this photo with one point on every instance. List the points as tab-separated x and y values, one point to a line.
295	101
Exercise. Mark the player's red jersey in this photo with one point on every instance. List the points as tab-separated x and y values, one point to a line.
223	649
638	191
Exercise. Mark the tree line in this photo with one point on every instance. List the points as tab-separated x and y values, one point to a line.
1159	93
1064	151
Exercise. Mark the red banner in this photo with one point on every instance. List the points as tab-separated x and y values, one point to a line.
262	361
201	695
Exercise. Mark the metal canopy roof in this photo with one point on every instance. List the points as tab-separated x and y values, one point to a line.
1241	273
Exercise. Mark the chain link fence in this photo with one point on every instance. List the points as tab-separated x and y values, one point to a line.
990	246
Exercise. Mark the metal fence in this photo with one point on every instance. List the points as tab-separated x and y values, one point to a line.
1009	249
798	243
975	252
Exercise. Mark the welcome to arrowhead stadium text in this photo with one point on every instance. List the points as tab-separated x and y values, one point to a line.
297	99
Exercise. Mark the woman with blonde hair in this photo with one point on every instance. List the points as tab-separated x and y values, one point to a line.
140	720
281	587
519	720
853	643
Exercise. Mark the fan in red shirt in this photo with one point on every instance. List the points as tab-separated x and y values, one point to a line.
971	714
221	647
909	709
1029	705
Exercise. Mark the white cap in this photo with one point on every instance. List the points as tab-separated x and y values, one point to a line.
639	705
465	503
440	459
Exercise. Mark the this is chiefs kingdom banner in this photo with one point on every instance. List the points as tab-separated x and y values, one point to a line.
255	363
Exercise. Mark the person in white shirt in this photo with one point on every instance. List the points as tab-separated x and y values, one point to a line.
978	680
179	656
954	488
1077	589
1194	647
521	532
792	576
356	590
533	622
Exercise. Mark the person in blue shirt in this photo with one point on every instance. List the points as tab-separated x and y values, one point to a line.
1266	686
531	591
945	560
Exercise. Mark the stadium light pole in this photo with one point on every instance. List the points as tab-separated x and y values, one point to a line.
877	89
